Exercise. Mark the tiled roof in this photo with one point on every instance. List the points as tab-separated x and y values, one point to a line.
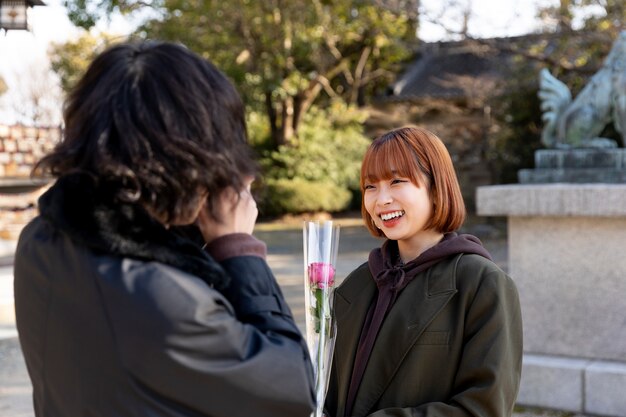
452	70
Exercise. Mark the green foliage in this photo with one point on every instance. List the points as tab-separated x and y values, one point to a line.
258	130
71	59
518	134
329	147
280	46
611	20
284	55
298	195
573	57
326	156
86	13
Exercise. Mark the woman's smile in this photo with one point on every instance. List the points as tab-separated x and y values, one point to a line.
391	218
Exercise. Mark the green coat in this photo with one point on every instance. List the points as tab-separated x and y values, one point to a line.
450	346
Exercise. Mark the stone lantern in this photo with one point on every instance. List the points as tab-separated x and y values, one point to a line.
13	14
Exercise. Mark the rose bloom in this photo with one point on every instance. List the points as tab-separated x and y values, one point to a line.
321	274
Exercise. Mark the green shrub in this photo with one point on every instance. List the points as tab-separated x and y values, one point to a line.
326	156
298	195
329	148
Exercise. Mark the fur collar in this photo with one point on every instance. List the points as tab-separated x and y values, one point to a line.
84	210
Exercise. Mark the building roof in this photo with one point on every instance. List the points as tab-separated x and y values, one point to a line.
458	69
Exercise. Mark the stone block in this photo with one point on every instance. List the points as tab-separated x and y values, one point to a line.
580	158
54	135
4	131
16	131
566	255
47	147
25	145
559	200
24	170
11	169
572	175
30	133
569	273
576	166
552	382
605	388
38	151
10	145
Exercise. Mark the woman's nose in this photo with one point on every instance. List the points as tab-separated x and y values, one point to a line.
384	196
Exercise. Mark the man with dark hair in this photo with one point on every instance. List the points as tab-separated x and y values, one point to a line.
118	312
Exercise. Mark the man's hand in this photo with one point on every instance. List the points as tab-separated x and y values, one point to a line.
237	212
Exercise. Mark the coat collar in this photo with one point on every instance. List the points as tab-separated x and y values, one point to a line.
416	307
352	301
88	212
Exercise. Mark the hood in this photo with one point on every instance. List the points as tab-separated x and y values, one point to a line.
386	268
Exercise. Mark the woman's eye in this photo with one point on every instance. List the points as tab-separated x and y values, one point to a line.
368	187
397	181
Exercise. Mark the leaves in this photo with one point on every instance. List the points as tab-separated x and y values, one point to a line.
284	55
71	59
329	148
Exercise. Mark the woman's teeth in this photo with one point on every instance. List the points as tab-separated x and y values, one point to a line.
392	215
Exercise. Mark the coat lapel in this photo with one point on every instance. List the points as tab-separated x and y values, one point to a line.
352	301
416	307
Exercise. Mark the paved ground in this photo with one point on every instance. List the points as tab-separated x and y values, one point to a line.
285	258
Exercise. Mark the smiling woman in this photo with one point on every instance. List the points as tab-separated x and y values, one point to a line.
429	325
416	158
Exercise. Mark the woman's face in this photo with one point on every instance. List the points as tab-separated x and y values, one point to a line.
399	208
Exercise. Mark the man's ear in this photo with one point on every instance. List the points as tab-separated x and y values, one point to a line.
203	213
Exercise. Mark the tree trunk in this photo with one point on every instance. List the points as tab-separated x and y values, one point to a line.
297	112
271	117
287	121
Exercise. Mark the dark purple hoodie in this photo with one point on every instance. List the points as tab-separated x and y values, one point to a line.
391	276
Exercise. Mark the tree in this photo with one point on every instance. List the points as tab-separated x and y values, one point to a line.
453	16
71	59
38	97
286	55
573	53
585	31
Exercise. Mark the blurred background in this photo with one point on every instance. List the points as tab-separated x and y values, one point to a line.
321	79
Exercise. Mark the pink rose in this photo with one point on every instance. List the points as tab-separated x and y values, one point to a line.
321	274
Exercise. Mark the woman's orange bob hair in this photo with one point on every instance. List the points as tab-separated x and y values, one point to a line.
419	155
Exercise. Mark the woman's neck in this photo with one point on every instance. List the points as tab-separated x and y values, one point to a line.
420	243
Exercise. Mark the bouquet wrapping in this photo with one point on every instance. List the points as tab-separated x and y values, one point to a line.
320	257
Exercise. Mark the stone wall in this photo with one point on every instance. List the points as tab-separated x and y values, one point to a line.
20	148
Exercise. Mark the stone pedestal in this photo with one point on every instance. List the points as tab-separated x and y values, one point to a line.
567	254
587	165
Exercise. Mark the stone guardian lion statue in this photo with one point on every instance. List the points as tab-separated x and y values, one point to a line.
577	123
